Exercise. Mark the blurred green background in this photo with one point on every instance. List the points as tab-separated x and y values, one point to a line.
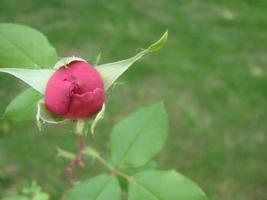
211	76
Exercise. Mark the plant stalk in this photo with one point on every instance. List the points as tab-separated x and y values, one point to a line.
76	161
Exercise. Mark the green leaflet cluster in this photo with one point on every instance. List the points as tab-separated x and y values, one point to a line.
134	142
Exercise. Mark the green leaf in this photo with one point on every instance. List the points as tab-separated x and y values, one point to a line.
36	78
101	187
139	137
159	44
132	170
163	185
23	107
110	72
22	46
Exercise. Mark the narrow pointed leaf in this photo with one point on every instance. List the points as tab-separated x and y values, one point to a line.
98	58
139	137
23	107
25	46
112	71
99	116
159	44
36	78
67	60
163	185
101	187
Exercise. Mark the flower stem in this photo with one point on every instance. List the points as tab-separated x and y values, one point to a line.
76	161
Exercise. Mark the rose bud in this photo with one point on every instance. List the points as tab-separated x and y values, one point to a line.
75	91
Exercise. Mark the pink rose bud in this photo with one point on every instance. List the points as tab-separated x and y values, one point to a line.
75	91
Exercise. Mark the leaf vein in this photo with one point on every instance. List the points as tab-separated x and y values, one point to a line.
20	50
135	138
144	188
102	189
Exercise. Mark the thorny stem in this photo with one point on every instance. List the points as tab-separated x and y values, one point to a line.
76	161
81	143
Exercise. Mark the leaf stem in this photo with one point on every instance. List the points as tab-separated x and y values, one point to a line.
115	170
120	173
104	162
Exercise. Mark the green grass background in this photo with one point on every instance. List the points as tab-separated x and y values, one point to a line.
211	76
